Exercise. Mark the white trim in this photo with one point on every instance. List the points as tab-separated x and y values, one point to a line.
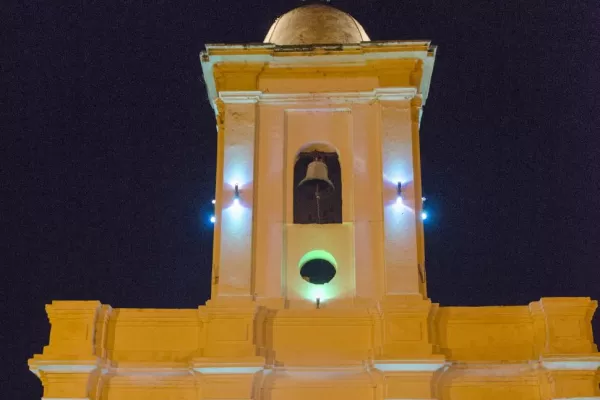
579	398
65	368
571	365
240	97
227	370
382	94
318	59
395	94
65	398
157	372
405	367
372	43
428	63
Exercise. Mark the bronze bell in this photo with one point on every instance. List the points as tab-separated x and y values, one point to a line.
317	176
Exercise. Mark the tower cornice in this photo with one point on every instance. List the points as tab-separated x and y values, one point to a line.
382	94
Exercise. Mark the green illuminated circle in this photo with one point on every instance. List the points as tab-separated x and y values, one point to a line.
317	254
317	267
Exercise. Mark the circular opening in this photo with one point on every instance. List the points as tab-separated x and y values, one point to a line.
317	271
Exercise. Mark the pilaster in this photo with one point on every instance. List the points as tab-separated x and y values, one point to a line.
234	206
400	236
229	328
405	329
70	365
73	382
563	325
73	330
573	377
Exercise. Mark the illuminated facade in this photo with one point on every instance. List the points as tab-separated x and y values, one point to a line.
319	284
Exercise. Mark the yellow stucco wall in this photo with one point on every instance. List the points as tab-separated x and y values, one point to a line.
404	349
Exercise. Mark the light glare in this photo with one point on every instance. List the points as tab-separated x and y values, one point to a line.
424	215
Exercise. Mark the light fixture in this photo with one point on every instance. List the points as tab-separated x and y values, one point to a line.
236	195
214	201
424	215
399	194
213	219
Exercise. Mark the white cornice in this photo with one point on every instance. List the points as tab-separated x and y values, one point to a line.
65	398
579	398
403	366
571	362
371	44
385	366
67	369
240	97
244	365
227	370
427	55
395	94
381	94
571	365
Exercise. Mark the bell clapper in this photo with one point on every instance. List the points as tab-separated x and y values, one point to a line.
318	197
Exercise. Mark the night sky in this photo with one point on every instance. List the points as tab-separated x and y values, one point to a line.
109	165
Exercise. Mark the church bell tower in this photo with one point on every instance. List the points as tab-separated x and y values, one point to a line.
319	284
318	192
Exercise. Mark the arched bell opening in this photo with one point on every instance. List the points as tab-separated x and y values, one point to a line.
317	186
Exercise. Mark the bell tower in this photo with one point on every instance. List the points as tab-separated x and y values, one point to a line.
318	180
318	284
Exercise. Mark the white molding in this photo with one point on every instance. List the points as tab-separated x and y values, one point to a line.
228	370
370	44
65	398
381	94
579	398
580	365
156	372
409	366
316	98
395	94
66	368
272	57
240	97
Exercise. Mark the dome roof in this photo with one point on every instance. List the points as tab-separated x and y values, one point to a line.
316	24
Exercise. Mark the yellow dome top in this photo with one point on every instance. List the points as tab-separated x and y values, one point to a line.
316	24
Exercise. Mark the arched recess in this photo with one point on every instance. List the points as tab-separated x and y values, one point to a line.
318	267
316	201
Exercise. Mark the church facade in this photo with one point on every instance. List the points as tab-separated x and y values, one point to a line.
319	280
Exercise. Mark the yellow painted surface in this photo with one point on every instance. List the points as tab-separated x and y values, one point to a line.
375	334
407	348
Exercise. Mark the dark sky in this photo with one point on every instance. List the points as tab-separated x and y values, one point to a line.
108	169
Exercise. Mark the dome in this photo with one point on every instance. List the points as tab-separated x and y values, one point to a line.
316	24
